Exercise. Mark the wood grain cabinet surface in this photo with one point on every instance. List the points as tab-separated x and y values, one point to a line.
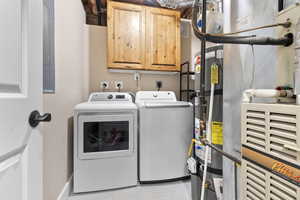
143	38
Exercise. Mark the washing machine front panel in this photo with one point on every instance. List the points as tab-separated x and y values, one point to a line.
165	133
104	136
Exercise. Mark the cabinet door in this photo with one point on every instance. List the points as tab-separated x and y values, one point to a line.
126	36
163	39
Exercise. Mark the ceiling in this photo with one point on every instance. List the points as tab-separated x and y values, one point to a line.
96	9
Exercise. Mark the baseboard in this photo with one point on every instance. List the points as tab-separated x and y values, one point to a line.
66	191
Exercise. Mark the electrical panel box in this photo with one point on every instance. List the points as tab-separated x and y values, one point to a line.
286	56
271	151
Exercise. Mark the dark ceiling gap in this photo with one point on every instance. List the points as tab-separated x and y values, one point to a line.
102	13
280	5
96	13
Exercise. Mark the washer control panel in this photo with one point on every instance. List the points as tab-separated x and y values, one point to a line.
110	96
142	96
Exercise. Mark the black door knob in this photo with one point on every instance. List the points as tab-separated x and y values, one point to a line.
35	118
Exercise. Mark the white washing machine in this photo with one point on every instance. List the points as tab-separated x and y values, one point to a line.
105	143
165	133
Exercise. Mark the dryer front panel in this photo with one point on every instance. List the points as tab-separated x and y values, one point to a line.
103	136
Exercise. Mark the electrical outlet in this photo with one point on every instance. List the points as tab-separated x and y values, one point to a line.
104	84
119	84
159	84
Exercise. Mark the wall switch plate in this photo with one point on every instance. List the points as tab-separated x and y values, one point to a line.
119	84
136	76
104	84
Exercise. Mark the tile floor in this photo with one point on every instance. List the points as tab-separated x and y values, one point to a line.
180	190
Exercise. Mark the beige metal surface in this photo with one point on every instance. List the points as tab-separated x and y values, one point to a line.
273	129
259	184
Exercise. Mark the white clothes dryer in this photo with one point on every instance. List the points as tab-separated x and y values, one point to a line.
105	143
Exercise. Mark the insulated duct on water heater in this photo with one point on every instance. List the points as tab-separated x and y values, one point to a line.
176	4
173	4
96	9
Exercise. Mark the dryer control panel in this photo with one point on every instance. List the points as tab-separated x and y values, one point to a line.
110	96
142	96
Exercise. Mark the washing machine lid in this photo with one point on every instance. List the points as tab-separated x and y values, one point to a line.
178	104
155	96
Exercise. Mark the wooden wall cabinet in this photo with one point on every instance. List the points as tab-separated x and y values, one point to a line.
126	35
143	38
163	39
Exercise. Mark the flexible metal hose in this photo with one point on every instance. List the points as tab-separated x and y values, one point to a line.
285	24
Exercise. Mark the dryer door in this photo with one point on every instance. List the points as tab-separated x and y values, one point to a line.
102	136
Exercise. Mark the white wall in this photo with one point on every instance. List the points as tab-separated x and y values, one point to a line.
71	89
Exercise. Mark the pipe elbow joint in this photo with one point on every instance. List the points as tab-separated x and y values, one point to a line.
289	39
247	96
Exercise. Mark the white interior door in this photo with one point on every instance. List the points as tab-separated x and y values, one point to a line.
20	93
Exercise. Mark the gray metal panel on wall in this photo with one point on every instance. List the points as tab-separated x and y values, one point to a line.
238	69
48	47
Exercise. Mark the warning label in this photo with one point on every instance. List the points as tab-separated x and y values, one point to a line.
217	133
